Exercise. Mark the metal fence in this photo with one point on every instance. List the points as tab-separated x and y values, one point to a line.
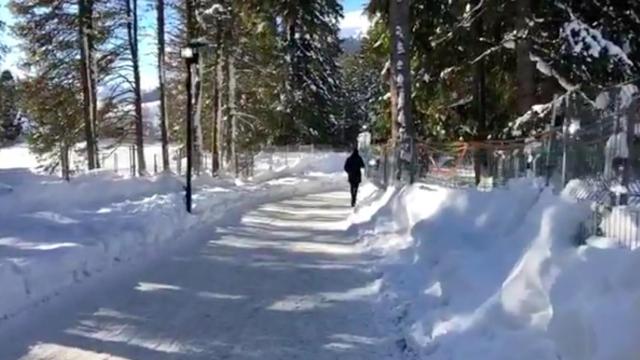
246	164
123	159
586	150
614	222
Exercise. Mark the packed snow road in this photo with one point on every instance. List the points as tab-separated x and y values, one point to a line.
283	282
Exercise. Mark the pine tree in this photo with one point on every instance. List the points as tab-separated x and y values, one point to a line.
214	21
233	93
312	48
175	69
524	60
362	87
10	126
374	53
183	28
260	78
51	42
70	51
56	121
244	97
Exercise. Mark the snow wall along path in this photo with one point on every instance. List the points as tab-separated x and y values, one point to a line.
55	234
498	274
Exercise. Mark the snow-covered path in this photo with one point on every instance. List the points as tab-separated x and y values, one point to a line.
283	282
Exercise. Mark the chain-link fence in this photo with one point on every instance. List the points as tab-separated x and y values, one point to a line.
586	149
250	162
123	159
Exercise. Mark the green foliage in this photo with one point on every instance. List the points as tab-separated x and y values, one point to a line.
289	87
260	79
364	90
10	127
312	87
294	84
374	56
445	49
50	40
3	47
55	117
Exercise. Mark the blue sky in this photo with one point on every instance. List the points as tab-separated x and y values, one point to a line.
353	23
351	5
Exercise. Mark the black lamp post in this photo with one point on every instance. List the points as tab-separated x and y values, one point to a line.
190	55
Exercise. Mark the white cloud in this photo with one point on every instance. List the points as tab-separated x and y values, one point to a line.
354	23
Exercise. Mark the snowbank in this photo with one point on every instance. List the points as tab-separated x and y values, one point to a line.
497	273
32	192
54	234
275	165
17	156
117	157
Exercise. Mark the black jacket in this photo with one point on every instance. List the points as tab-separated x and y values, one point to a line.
352	166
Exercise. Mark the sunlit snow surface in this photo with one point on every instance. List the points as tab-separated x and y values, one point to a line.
497	275
283	281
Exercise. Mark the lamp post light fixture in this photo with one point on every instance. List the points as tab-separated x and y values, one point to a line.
187	53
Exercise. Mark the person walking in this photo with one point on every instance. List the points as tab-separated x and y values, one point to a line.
353	167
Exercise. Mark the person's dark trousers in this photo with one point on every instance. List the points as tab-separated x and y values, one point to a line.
354	193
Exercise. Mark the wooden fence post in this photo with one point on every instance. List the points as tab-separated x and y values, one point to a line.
155	164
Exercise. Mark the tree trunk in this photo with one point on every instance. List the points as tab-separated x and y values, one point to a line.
85	10
164	127
525	68
132	29
220	110
197	118
197	88
93	63
292	84
399	14
215	120
479	82
233	112
64	162
233	93
227	107
214	123
393	92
